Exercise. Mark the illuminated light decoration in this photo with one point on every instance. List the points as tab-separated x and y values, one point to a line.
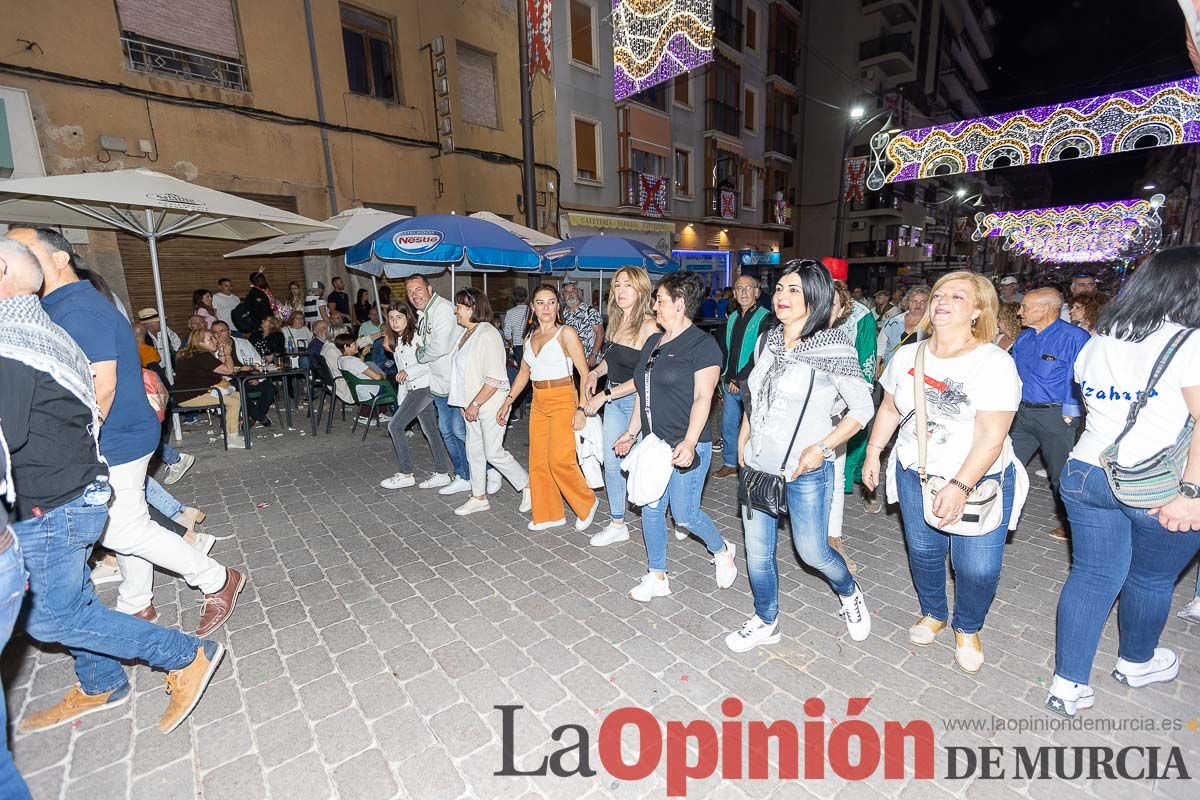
655	40
1155	116
1090	232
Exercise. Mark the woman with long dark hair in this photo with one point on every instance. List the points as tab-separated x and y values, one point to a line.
362	306
804	374
415	402
202	306
1131	554
552	351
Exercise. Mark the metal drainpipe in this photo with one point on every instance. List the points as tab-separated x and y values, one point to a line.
316	72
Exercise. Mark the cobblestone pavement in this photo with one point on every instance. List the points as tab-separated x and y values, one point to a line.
378	631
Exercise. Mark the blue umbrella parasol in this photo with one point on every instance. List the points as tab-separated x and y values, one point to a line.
607	254
434	242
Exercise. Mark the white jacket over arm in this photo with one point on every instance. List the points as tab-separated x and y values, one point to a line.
440	336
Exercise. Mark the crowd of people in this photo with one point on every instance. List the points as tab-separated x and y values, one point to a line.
934	398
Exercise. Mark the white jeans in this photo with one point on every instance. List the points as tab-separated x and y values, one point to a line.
837	503
142	544
485	447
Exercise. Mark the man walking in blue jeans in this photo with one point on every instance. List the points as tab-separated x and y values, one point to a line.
741	334
49	415
12	590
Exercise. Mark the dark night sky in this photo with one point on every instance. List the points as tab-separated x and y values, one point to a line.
1054	50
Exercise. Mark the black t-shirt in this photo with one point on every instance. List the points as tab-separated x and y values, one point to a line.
340	301
260	302
673	381
194	375
46	427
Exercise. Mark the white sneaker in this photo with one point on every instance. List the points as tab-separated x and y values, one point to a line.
613	532
435	481
237	442
203	542
472	505
494	481
455	486
102	574
1067	699
680	533
545	526
651	586
1191	611
858	618
583	523
383	419
398	481
1041	473
1160	669
753	633
526	500
726	568
176	471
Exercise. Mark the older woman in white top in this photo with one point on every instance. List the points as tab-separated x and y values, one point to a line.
552	351
970	392
1131	554
805	375
478	382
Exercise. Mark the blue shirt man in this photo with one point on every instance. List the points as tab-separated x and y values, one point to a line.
1048	417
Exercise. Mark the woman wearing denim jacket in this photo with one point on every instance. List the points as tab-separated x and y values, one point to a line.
805	375
630	324
1132	556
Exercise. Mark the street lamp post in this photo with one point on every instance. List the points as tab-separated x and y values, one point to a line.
853	129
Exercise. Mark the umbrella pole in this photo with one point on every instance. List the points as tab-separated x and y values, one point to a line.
601	293
453	290
485	284
375	286
152	237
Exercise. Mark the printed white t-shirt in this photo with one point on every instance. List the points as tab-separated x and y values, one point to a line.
358	368
984	379
1112	373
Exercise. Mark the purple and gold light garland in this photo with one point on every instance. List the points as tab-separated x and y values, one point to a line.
1086	233
655	40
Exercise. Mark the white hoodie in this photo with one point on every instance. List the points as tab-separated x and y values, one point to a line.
439	332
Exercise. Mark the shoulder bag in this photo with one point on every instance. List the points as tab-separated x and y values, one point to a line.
984	509
1154	481
767	491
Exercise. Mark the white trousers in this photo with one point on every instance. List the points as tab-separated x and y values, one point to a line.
142	544
837	503
485	447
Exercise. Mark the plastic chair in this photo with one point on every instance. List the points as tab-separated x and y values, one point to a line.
216	405
325	385
386	395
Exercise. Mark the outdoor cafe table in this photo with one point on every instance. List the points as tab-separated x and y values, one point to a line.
281	374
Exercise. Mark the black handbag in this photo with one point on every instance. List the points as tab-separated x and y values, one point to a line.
767	491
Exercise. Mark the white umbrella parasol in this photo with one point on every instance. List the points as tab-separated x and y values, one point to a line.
532	238
147	204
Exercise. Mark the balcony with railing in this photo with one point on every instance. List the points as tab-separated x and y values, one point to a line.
876	249
644	193
892	53
721	203
897	12
777	213
722	117
728	28
782	64
161	58
781	141
882	203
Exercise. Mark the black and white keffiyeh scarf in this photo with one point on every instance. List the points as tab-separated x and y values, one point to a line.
828	351
28	335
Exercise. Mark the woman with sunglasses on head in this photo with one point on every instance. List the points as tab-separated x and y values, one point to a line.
805	374
676	375
630	324
552	351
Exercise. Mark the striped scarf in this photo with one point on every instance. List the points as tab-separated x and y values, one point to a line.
825	351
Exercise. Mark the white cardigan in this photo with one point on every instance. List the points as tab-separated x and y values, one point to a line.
485	364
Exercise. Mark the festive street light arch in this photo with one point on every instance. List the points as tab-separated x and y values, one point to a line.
655	40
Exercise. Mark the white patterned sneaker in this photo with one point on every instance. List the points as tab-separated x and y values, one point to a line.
858	618
1067	699
650	587
754	632
1163	667
398	481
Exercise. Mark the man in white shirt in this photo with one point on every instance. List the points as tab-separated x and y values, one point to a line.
165	339
315	308
350	362
225	301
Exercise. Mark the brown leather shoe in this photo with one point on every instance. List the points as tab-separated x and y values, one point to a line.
1059	533
835	543
725	472
149	613
185	686
75	704
219	605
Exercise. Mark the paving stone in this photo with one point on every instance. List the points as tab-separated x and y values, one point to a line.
301	777
112	781
223	740
430	775
379	695
342	735
175	781
283	738
365	777
402	734
269	700
238	780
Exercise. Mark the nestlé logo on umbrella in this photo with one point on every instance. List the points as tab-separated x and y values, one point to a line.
415	243
556	254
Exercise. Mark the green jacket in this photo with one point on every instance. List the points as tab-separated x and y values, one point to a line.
748	339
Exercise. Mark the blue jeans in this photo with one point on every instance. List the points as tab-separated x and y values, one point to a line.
1116	552
161	500
617	414
683	497
12	589
64	608
808	499
976	559
454	434
731	424
168	454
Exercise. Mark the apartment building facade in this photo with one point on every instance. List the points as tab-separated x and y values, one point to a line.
702	165
417	112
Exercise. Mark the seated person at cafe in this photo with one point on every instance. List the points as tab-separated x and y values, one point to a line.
244	355
349	361
198	373
296	334
269	340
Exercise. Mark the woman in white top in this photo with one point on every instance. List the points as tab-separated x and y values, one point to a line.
1118	552
416	402
805	374
478	382
971	392
552	350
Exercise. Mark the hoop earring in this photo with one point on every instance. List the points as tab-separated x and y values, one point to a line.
974	322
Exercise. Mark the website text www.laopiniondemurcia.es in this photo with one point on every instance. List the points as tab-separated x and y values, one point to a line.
850	749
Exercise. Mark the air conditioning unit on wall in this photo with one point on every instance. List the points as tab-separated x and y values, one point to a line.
858	225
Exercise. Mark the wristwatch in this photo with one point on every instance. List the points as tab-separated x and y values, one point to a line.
1189	490
826	452
608	394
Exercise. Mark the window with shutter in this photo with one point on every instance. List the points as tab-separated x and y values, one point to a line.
195	41
369	45
587	162
477	86
583	25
